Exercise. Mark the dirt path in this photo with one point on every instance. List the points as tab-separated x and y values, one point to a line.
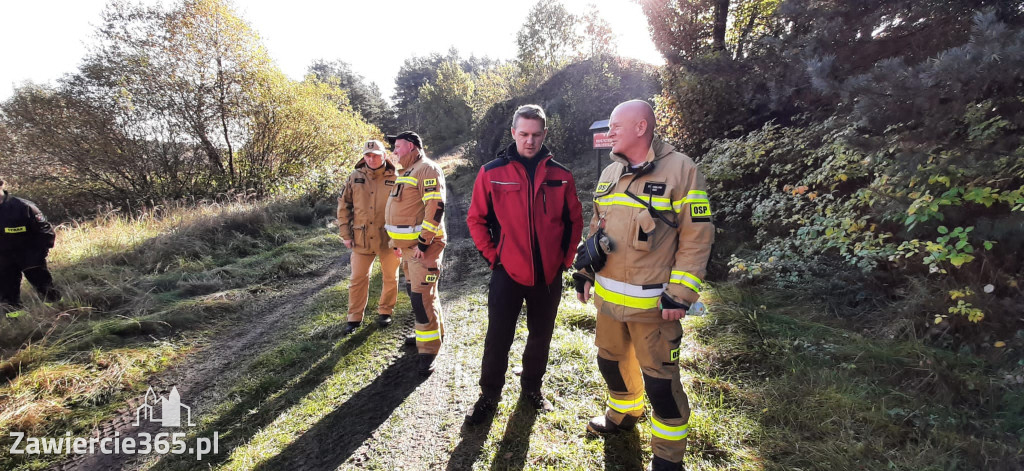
365	422
207	373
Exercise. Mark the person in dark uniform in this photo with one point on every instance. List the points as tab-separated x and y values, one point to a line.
25	240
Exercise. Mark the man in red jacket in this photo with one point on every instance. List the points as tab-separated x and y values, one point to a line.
526	221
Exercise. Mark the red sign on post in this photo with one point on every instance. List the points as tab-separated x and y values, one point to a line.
601	141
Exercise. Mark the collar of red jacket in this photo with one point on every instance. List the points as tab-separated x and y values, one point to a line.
510	152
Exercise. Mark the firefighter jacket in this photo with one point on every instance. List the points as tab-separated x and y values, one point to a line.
22	226
512	217
649	257
361	207
415	208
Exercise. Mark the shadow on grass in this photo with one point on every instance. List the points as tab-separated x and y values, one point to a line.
622	451
468	450
515	445
242	424
334	438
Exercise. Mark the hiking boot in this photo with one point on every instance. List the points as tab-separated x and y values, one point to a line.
602	426
383	320
410	340
661	464
483	410
537	401
349	328
426	363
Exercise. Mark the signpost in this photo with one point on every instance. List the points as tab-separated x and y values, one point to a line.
601	140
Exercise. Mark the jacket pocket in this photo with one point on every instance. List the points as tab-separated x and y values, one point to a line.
506	194
640	240
359	236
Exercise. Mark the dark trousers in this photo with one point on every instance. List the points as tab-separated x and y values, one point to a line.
504	302
33	264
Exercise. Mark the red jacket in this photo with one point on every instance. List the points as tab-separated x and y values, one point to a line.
506	213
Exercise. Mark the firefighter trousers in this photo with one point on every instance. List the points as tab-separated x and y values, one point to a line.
359	286
33	264
635	357
421	276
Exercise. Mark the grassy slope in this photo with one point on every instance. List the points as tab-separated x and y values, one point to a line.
773	386
139	294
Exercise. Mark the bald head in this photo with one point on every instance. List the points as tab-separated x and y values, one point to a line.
631	128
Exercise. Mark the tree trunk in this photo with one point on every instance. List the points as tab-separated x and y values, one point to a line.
721	22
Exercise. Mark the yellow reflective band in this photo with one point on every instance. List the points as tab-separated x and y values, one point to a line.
622	199
625	406
429	226
427	335
686	279
402	237
403	233
693	197
434	195
668	432
407	180
15	230
624	299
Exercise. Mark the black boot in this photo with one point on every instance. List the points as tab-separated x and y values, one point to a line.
602	426
661	464
349	328
536	400
426	363
482	411
383	320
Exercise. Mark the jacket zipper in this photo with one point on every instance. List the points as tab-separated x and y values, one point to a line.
529	211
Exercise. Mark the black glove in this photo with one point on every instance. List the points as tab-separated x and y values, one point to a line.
591	253
668	303
580	280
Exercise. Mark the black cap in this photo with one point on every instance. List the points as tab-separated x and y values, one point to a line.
411	137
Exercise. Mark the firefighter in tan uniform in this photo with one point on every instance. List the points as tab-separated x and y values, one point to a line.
415	222
361	226
650	239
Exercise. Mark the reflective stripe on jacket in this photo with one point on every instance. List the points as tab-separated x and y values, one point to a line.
417	202
644	263
362	204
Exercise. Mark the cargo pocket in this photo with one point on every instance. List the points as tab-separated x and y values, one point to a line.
664	344
359	236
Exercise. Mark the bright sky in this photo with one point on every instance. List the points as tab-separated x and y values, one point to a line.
44	39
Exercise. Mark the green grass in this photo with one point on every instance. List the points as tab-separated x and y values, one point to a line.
139	294
773	382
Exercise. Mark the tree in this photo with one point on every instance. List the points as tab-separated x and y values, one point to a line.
448	116
547	40
412	76
364	98
599	39
170	104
